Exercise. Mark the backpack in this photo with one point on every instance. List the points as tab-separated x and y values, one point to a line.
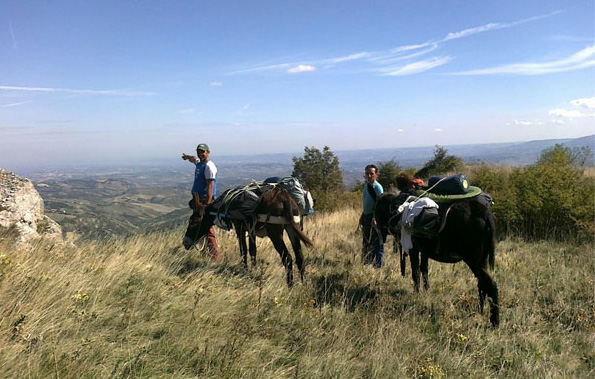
302	197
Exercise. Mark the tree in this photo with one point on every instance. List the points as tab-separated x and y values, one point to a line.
564	156
318	170
387	174
440	164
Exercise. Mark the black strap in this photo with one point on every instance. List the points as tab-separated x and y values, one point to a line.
371	191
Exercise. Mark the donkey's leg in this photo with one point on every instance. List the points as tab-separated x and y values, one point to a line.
252	245
487	286
275	233
424	271
482	297
240	229
414	258
250	229
297	250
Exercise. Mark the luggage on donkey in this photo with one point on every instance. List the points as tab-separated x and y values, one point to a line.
451	185
238	203
302	197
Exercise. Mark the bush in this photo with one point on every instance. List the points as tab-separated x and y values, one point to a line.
552	200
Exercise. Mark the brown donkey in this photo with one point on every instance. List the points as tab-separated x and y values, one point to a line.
276	211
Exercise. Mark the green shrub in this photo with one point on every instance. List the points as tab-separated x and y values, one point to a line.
496	182
552	200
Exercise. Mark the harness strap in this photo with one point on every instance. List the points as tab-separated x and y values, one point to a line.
276	219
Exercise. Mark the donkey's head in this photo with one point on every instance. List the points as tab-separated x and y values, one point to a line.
386	212
197	224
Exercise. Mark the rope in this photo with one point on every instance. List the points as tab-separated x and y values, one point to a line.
203	240
429	189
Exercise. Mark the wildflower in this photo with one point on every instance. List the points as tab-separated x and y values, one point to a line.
80	297
5	260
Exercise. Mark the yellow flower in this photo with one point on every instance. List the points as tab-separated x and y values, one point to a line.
80	297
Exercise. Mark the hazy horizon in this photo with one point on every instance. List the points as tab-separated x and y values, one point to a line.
403	155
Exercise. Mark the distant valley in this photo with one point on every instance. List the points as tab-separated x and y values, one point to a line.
109	200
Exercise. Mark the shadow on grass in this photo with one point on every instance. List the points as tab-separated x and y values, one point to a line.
191	261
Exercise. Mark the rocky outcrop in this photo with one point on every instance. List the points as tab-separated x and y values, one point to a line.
22	211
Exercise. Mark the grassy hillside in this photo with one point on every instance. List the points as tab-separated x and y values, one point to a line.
145	307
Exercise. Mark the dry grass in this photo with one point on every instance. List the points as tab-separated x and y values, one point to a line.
145	307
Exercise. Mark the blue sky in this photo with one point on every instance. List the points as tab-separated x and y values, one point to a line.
123	80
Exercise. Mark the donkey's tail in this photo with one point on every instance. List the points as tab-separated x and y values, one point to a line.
288	206
490	240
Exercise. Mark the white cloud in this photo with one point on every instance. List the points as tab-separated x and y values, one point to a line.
216	84
585	102
76	91
492	26
417	67
470	31
438	130
15	104
582	103
14	40
301	68
570	113
580	60
348	58
528	123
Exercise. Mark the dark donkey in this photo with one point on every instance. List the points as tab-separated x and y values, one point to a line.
467	233
276	211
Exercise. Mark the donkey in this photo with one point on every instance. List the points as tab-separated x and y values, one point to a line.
467	233
276	211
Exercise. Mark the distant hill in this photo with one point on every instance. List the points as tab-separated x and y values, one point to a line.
109	200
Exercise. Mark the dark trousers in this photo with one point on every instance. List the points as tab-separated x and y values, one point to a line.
372	247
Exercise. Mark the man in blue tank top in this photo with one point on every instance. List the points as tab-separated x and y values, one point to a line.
205	185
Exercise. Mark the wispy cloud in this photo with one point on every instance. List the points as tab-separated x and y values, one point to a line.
570	113
580	60
216	84
578	111
124	93
383	61
417	67
13	38
15	104
528	122
301	68
492	26
348	58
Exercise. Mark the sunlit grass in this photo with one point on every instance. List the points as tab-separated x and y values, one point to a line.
145	307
